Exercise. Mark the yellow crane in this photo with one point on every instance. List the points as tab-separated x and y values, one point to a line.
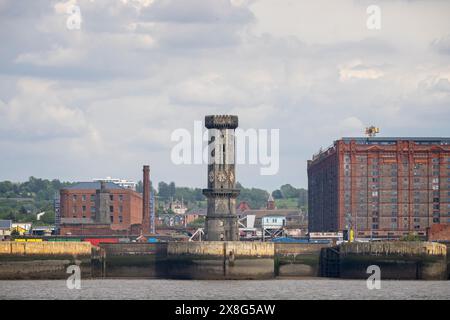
372	131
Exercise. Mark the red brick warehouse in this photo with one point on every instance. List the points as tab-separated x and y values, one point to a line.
381	187
80	209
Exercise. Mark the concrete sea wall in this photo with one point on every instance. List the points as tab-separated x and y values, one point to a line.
45	248
140	260
44	260
448	261
223	260
298	259
212	260
220	248
397	260
394	248
220	260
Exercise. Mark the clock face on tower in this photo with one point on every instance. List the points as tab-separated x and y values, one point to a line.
231	176
221	177
211	176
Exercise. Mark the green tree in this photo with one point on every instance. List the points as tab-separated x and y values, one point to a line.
139	187
303	198
21	201
289	191
163	191
256	198
172	189
197	223
277	194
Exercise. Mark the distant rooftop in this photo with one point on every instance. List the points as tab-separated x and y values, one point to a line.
93	186
271	213
121	182
424	140
43	228
199	211
442	141
5	224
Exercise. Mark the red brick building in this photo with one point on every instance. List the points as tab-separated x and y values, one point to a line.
87	209
439	232
380	187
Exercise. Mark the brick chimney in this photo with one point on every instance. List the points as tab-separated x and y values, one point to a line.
146	200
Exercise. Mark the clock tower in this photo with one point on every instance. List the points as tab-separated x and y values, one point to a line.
221	220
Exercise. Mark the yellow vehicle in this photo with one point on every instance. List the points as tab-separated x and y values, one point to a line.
28	240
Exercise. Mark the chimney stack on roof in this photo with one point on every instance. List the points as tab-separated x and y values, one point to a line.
146	200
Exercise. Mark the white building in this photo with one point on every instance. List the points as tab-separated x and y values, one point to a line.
178	207
121	182
273	222
5	228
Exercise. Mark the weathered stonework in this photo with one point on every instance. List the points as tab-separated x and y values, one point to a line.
221	220
102	205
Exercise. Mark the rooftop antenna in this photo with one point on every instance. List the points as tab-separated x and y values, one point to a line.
372	131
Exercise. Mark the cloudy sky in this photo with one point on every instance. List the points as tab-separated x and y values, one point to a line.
103	99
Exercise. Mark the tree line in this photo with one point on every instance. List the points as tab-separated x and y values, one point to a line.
255	197
22	201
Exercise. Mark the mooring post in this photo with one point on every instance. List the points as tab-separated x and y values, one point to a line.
224	255
103	255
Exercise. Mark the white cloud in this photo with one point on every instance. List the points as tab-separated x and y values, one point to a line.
38	113
110	94
57	57
357	70
351	126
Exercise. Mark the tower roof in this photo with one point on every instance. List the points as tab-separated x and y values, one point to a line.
221	122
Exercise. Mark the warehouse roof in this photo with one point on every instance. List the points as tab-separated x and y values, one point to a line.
93	186
5	224
277	212
426	140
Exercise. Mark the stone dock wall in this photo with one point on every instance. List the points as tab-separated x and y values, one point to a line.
394	248
223	260
298	259
220	248
212	260
243	260
45	248
134	249
139	260
45	260
397	260
220	260
448	260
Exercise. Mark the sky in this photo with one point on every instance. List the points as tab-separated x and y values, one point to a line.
103	99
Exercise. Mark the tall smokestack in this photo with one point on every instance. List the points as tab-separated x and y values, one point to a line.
146	200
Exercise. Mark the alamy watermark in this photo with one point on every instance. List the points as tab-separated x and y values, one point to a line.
73	22
74	280
206	146
374	280
374	18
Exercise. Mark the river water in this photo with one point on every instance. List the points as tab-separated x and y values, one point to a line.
221	290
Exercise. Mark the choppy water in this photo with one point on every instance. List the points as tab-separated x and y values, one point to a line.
189	289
